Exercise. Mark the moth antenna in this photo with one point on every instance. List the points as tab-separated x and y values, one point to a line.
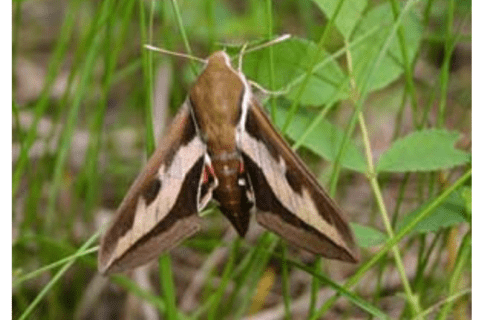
266	91
173	53
240	58
270	43
264	45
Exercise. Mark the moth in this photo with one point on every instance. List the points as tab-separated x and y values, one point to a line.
222	146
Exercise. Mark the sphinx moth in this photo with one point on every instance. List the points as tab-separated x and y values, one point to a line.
222	146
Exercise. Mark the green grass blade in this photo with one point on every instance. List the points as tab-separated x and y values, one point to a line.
58	276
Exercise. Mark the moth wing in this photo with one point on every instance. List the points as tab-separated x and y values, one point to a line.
289	199
160	209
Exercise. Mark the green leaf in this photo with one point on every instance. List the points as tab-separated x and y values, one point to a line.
451	212
364	54
324	140
291	60
347	17
425	150
367	236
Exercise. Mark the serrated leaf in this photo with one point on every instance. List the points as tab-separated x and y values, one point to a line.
348	16
291	61
324	140
451	212
425	150
367	236
364	54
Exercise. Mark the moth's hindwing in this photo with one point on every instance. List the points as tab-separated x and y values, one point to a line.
160	209
289	200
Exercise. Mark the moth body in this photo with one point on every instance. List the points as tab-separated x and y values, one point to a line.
218	114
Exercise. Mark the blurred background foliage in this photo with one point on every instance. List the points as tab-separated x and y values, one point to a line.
374	95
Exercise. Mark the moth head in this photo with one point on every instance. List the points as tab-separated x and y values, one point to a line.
219	58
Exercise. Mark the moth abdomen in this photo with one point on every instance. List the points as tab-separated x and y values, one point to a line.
231	193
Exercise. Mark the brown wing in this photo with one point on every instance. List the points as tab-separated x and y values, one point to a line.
160	209
289	199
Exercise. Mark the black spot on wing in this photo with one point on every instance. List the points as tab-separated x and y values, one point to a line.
151	191
294	180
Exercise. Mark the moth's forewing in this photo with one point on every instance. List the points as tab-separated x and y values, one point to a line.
289	200
160	209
